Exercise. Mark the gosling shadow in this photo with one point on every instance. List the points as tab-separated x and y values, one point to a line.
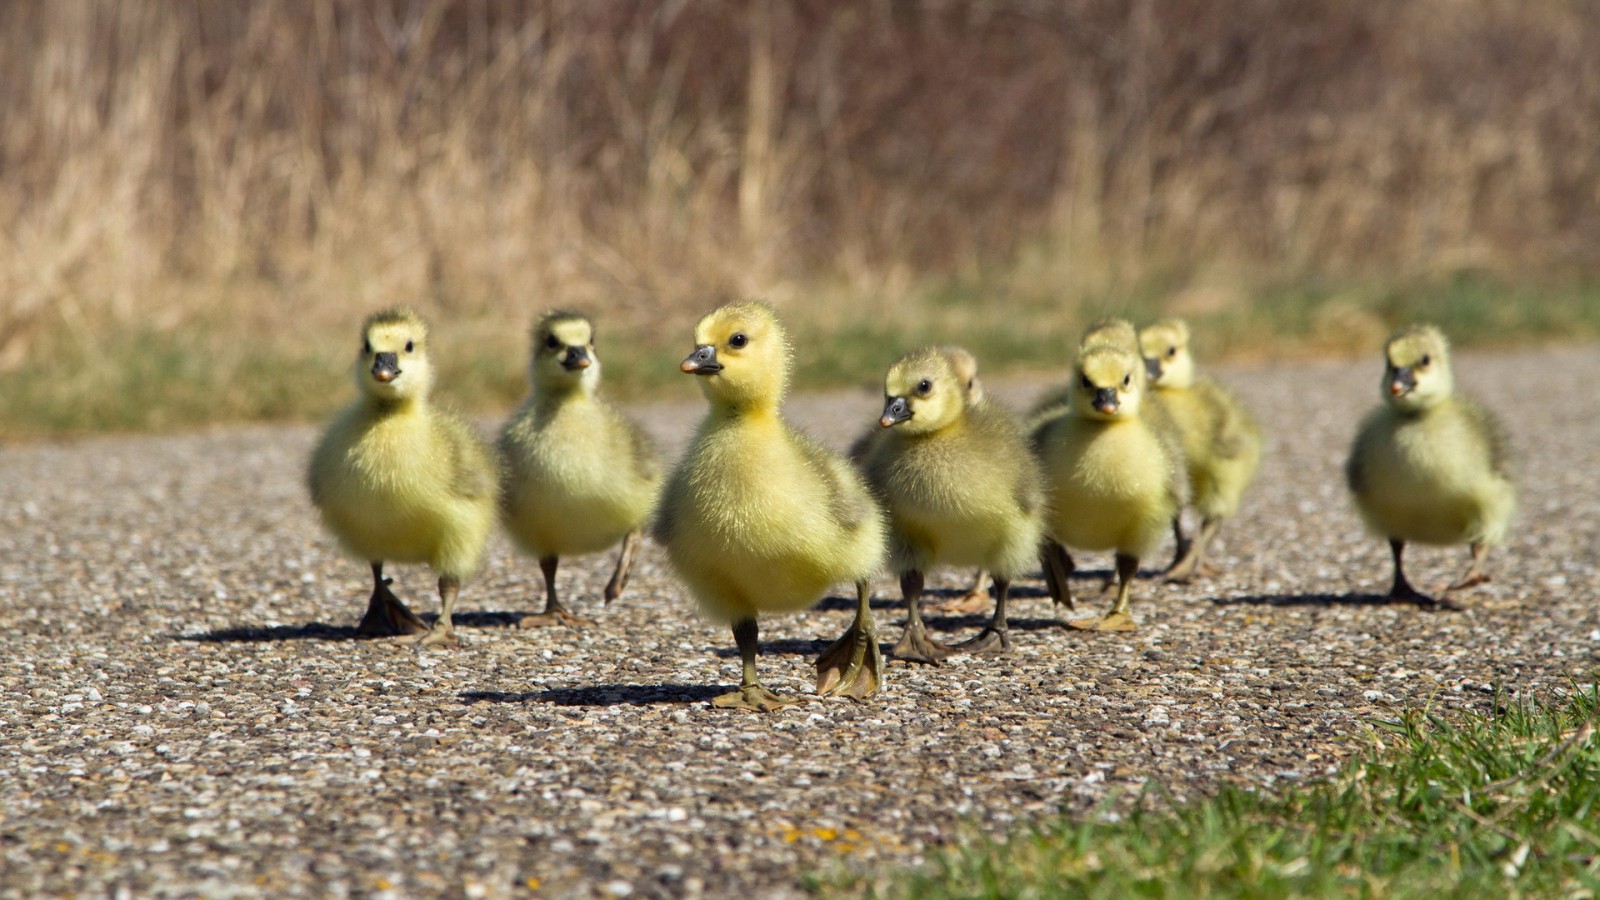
981	620
1324	600
603	695
322	631
782	647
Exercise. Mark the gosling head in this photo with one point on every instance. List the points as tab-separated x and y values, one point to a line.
923	392
1111	330
966	369
1109	383
563	352
1417	370
741	355
393	365
1165	345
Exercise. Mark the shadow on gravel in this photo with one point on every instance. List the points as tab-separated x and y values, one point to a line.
1312	600
603	695
322	631
786	647
886	600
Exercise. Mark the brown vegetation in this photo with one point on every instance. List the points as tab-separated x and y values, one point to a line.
268	171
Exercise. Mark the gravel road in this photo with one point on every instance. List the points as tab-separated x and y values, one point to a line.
184	710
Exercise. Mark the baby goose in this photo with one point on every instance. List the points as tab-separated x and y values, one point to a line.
1111	480
398	479
577	476
1221	442
1117	332
758	518
961	487
1428	465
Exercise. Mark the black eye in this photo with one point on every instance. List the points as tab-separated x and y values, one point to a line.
410	346
1127	380
738	340
1172	351
924	386
1425	360
553	342
366	346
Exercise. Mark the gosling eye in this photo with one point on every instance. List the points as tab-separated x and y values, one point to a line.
410	346
553	342
366	347
924	386
1425	360
738	340
1172	351
1087	384
1127	380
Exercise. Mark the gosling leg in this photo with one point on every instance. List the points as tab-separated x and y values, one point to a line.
752	694
1057	565
443	634
619	578
914	644
1402	591
853	666
976	597
555	613
386	616
1192	561
1475	573
1119	618
995	638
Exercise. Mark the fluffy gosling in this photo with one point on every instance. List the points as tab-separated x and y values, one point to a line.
1221	442
961	488
396	478
1428	465
577	476
757	518
1111	480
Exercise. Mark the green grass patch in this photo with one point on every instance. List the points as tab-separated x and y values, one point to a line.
1492	806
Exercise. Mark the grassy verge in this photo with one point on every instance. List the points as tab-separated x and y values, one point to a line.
1504	805
224	371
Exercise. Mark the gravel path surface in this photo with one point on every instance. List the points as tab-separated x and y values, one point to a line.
184	710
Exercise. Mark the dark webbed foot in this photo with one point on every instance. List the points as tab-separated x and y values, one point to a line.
989	640
916	646
386	616
1402	591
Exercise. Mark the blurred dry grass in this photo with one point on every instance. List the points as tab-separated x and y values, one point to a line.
213	194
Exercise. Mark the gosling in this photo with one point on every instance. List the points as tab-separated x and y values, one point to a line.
1221	442
577	476
1111	481
1430	466
961	488
396	478
757	518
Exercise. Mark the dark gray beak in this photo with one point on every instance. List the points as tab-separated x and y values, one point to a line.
1105	400
703	361
1401	383
386	367
576	358
1152	367
897	410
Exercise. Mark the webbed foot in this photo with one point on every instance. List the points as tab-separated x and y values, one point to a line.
1115	621
437	639
989	640
853	666
916	646
754	697
553	617
386	616
972	601
1405	593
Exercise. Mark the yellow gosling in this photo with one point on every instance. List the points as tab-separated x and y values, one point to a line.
577	476
1221	442
1111	480
757	518
396	478
961	488
1428	465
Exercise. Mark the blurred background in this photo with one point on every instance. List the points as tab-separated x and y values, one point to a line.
201	201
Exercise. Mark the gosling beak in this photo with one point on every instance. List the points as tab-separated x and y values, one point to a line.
1401	383
576	358
1152	367
386	367
703	361
897	410
1105	400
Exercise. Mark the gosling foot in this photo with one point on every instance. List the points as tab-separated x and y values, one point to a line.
553	617
1469	581
916	646
386	616
1110	622
754	697
989	640
853	666
975	600
437	639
